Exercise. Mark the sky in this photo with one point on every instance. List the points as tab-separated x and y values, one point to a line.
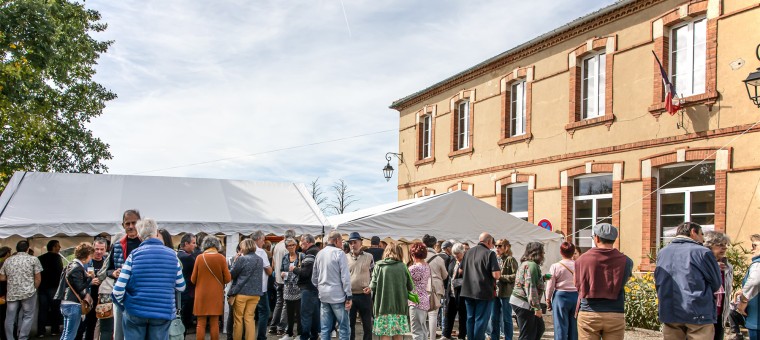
275	90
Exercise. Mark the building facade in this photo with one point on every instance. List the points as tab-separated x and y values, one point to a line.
572	128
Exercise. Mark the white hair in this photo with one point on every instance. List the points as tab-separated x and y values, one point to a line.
457	248
147	228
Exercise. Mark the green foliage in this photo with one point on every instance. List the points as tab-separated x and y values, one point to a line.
737	256
641	303
47	94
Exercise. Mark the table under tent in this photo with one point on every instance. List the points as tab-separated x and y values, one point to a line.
449	216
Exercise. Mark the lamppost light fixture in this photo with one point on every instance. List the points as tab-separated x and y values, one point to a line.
753	82
388	169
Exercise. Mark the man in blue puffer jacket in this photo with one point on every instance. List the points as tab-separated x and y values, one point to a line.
686	277
147	286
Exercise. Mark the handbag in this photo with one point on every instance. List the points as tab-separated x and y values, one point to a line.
86	303
435	302
177	328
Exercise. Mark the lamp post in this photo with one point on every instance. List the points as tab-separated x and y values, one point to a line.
753	82
388	169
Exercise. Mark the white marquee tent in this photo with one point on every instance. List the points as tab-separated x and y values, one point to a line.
454	215
38	204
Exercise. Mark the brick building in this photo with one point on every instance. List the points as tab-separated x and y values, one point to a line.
571	127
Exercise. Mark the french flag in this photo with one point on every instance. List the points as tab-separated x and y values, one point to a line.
672	105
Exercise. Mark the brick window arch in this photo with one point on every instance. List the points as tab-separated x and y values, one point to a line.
662	35
424	192
461	140
505	186
467	187
516	105
595	204
589	104
651	169
426	134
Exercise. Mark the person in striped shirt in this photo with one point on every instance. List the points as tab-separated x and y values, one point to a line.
147	286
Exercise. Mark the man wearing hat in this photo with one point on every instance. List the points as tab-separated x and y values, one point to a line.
375	249
600	275
360	265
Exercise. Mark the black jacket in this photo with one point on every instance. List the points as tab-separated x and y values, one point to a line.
77	278
306	268
52	266
453	276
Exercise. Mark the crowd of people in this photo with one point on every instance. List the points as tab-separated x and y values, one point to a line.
142	287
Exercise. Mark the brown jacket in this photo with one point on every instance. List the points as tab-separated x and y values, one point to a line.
209	291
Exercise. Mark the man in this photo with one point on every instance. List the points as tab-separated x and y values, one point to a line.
280	315
600	275
439	272
309	301
119	253
454	302
23	273
360	265
480	270
49	309
750	290
186	255
374	249
99	264
686	277
262	309
151	270
333	281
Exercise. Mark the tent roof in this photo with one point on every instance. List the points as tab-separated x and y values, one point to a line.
452	215
49	204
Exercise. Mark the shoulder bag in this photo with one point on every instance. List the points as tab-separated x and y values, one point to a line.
435	302
86	303
104	308
176	328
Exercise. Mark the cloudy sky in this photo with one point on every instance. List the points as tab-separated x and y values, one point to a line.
274	90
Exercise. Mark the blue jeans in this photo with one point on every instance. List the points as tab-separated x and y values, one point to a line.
563	314
262	312
501	317
142	328
754	334
310	306
478	314
72	316
329	314
28	309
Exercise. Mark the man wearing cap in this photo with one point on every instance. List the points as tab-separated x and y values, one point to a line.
600	275
375	249
360	265
686	278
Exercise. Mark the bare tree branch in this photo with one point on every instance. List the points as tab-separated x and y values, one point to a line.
317	194
342	197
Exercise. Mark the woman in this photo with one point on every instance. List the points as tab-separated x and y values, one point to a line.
166	238
420	272
391	284
502	310
5	253
72	290
577	253
718	244
247	272
455	304
528	293
291	293
750	290
210	274
562	295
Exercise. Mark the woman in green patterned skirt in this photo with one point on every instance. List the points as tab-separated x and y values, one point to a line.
391	284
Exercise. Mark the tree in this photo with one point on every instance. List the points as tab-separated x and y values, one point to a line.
316	193
342	197
47	94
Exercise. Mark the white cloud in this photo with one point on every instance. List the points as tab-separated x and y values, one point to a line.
200	81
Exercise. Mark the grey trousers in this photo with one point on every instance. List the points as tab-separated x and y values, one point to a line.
417	319
118	323
28	308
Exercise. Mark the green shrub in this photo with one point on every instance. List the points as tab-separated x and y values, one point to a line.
737	257
641	303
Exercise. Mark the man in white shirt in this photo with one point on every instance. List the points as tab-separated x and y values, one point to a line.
332	278
280	315
262	309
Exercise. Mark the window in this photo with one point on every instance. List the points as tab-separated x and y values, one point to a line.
687	195
517	200
427	136
463	121
592	90
688	57
592	200
517	101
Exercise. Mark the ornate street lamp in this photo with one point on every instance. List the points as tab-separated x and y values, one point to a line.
388	169
753	82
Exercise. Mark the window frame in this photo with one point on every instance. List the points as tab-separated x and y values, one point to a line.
523	215
686	191
427	136
600	77
594	198
463	120
518	118
690	52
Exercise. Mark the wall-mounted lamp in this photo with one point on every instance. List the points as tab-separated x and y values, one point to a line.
388	169
753	82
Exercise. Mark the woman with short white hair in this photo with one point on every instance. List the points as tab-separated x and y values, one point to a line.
718	243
